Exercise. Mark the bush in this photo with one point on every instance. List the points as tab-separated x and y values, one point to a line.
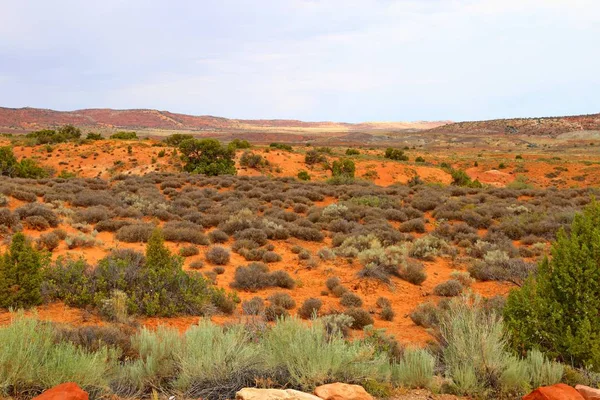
425	315
36	222
303	175
252	160
314	157
350	299
184	231
414	225
207	157
395	154
218	255
254	306
343	168
281	299
188	251
551	306
218	236
310	308
134	233
274	312
122	135
449	288
361	317
48	241
414	273
271	257
20	274
332	282
415	370
256	276
387	314
352	152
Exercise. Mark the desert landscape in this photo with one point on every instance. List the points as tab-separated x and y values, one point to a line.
372	240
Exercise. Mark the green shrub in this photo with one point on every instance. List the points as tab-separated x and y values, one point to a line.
352	152
20	274
207	157
314	157
256	276
188	251
303	176
123	135
395	154
281	146
551	305
415	370
94	136
252	160
282	300
350	299
343	168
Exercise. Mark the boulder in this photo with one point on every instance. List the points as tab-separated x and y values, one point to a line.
64	391
588	393
273	394
342	391
554	392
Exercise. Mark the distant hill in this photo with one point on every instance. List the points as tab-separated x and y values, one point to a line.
36	118
548	126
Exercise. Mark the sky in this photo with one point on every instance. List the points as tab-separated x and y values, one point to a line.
314	60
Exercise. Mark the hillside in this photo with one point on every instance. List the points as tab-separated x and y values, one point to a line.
35	118
547	126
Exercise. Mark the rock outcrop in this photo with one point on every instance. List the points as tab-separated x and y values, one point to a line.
588	393
554	392
64	391
273	394
342	391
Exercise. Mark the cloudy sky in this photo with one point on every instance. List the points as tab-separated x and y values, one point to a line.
342	60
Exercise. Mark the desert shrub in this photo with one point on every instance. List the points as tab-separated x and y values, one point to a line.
134	233
551	306
218	255
41	210
197	264
414	272
81	240
256	235
425	315
343	168
383	302
184	231
339	290
308	234
282	299
175	139
413	225
207	157
218	236
24	195
449	288
361	317
273	312
415	369
395	154
20	274
256	276
314	157
325	254
428	247
281	146
304	254
350	299
48	241
463	277
310	308
123	135
111	225
497	266
188	251
332	282
36	222
8	218
271	257
92	215
303	175
254	306
252	160
387	313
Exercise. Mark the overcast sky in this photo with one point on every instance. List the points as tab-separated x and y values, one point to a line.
341	60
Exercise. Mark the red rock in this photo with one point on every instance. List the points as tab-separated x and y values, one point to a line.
65	391
588	393
342	391
554	392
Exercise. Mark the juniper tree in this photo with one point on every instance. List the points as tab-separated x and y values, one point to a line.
558	311
20	274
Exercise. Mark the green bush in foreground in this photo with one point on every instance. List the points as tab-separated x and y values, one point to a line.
20	274
557	311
